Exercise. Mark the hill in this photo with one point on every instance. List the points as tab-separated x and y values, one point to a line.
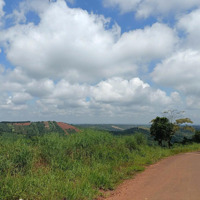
111	127
131	129
36	128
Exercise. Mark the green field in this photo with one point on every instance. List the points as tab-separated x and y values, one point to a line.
77	166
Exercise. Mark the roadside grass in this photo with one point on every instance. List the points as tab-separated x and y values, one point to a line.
73	167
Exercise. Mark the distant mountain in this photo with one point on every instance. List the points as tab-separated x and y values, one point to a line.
36	128
111	127
132	131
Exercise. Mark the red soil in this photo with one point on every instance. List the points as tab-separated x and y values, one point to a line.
22	124
173	178
66	127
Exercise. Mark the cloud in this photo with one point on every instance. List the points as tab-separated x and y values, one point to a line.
2	13
2	69
193	104
189	24
150	43
114	97
20	98
2	4
180	71
40	88
52	47
18	15
75	66
145	8
73	63
118	91
124	5
79	47
16	102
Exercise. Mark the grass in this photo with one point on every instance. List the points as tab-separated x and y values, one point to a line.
73	167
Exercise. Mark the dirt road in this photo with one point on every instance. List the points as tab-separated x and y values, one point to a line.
174	178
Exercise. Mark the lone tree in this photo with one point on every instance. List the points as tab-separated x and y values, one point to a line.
162	130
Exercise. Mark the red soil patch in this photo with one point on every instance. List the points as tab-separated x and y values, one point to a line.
22	124
67	127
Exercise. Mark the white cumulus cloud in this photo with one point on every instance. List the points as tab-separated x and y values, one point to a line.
180	71
78	46
118	91
146	8
74	64
189	24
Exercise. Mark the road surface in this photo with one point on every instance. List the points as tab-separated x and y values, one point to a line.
174	178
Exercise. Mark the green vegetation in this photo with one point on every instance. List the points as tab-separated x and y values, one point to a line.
196	137
180	135
30	129
76	166
114	128
162	130
132	131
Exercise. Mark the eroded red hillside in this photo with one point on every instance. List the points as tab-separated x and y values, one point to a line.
67	128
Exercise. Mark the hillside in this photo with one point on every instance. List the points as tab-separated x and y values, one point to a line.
36	128
131	129
111	127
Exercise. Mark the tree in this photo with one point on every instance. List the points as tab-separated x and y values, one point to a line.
183	123
196	137
162	130
174	117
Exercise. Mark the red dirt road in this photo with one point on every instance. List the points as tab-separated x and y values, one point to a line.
174	178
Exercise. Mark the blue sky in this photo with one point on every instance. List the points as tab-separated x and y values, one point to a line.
108	61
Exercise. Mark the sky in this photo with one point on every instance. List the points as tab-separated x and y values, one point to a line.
99	61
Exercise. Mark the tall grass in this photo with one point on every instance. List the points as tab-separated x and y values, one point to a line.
72	167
